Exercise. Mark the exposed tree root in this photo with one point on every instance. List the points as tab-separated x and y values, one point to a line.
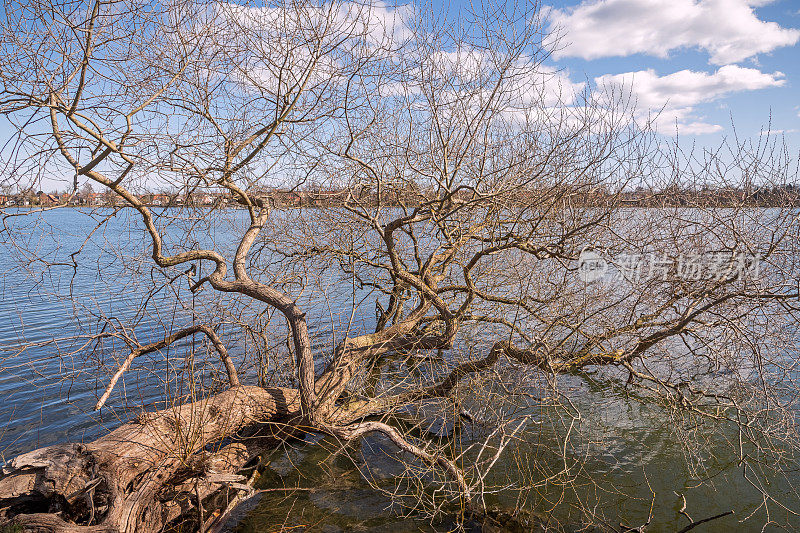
164	465
117	483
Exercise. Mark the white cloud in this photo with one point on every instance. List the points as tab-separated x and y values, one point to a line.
729	30
674	96
526	84
529	92
384	25
279	45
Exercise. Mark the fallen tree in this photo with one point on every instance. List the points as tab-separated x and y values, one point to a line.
467	179
116	482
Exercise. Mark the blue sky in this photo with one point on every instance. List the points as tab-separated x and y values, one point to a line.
707	62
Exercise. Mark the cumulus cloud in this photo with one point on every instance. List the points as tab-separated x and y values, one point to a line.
528	92
276	47
674	97
781	132
384	25
729	30
526	84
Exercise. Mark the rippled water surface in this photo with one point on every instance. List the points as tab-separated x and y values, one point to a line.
47	393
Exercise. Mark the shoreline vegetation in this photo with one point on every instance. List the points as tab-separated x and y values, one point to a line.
443	180
673	196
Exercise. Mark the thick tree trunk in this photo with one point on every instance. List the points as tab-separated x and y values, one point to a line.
117	482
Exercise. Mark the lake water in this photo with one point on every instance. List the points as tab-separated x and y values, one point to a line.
48	390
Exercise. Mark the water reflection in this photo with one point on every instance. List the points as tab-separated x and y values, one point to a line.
621	457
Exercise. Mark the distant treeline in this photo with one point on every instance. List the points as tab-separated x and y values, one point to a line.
779	196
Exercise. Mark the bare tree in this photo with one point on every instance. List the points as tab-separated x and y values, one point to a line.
460	183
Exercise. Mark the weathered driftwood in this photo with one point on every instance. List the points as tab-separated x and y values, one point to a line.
122	481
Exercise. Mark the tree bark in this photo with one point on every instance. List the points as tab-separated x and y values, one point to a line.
114	483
